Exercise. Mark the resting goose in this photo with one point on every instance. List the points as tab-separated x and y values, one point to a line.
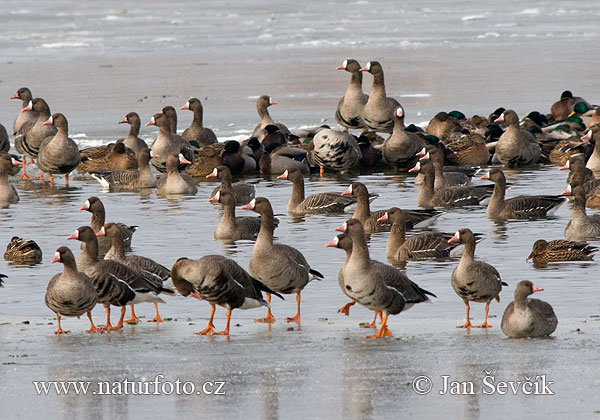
167	143
515	147
262	103
174	182
344	241
95	206
151	271
58	154
118	157
526	317
132	141
377	286
25	116
521	207
320	203
400	149
442	125
8	193
115	283
196	131
561	250
378	112
335	151
370	220
242	191
447	197
472	280
349	108
232	228
21	250
131	179
582	227
281	268
219	281
276	158
420	246
70	293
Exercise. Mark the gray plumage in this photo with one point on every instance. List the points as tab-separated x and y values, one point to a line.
25	116
515	147
58	154
581	226
129	179
174	182
526	317
262	105
230	227
349	108
334	150
132	140
378	112
167	143
31	134
196	131
8	193
401	147
242	191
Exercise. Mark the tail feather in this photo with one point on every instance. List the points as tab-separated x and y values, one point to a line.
261	286
101	180
317	275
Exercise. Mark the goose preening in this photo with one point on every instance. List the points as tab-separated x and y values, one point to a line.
336	151
58	154
70	293
525	317
151	271
243	192
349	108
544	252
219	281
281	268
521	207
473	280
377	286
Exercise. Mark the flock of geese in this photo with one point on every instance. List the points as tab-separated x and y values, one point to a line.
445	155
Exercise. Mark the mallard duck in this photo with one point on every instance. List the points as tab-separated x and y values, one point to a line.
467	149
119	157
205	160
23	250
561	250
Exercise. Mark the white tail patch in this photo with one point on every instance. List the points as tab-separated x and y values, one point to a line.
102	181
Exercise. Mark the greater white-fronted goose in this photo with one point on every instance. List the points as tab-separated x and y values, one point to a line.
242	191
276	158
526	317
447	197
8	193
515	147
262	103
232	228
167	143
593	162
205	160
132	140
420	246
344	241
443	179
281	268
400	149
115	283
4	142
582	227
335	151
58	154
544	252
580	175
370	219
350	107
25	116
29	138
132	179
378	112
521	207
23	250
151	271
220	281
70	293
174	182
196	131
95	206
472	280
377	286
118	157
327	202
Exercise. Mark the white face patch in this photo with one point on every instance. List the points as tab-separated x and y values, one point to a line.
457	234
336	241
345	225
152	120
253	203
187	104
350	189
345	64
400	112
285	174
418	166
215	172
76	234
51	120
427	155
181	157
369	66
218	195
57	256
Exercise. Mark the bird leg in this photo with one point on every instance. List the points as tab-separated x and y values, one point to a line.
468	323
93	327
226	330
210	328
120	323
383	331
66	180
374	323
134	319
41	174
24	163
295	318
485	323
157	318
108	325
51	180
269	319
321	171
60	330
346	308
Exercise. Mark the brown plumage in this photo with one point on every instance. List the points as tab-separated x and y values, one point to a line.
119	157
196	131
242	191
232	228
349	108
528	317
561	250
23	250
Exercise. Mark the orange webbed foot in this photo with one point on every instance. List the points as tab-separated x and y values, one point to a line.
484	325
265	320
346	308
210	329
295	318
157	318
383	332
61	331
93	330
